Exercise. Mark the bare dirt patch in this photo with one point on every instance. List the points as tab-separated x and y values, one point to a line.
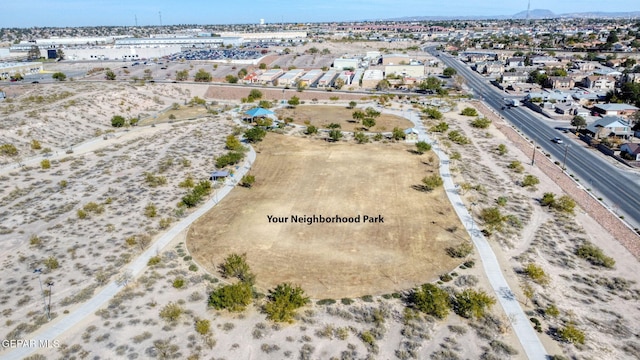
301	177
320	116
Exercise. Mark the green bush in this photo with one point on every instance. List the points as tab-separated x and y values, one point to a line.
422	147
230	158
492	218
8	150
571	334
516	166
326	302
233	297
51	263
432	113
178	283
536	274
202	189
255	134
502	149
481	123
471	303
440	127
248	181
311	130
594	255
154	260
202	326
446	277
283	301
458	138
346	301
530	181
171	312
45	164
469	111
462	250
431	182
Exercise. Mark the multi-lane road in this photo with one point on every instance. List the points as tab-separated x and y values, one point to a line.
619	188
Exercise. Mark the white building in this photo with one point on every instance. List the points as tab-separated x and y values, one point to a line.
9	69
120	53
327	79
371	78
290	77
341	64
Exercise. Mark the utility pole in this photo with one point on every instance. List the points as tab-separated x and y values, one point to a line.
564	161
44	301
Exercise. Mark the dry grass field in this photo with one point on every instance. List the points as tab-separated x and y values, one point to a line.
321	115
300	177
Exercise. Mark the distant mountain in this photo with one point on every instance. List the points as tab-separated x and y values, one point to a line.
533	14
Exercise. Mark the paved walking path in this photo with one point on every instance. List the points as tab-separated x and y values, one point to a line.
519	321
65	322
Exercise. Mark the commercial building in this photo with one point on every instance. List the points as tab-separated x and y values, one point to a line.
290	78
327	79
269	76
371	78
9	69
341	64
405	70
190	42
287	36
310	78
119	53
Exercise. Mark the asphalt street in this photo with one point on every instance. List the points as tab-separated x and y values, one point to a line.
619	189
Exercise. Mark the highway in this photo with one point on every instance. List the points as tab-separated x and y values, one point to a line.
620	189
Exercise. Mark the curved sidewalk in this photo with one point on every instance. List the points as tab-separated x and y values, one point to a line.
66	322
524	331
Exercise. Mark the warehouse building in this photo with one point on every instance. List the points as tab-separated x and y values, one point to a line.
405	70
269	76
310	78
342	64
290	78
327	79
371	78
120	53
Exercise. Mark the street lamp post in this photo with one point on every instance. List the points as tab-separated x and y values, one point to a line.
533	157
44	301
564	161
50	285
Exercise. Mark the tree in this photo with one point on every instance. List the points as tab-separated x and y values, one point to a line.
182	75
255	94
202	76
338	84
247	181
358	115
383	85
60	54
171	312
235	266
471	303
579	122
368	122
34	52
59	76
440	127
294	101
397	134
352	104
233	143
283	301
432	113
262	66
422	147
335	135
231	79
255	134
110	75
492	218
235	297
118	121
311	130
431	300
449	71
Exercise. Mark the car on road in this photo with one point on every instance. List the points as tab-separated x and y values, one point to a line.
557	140
35	82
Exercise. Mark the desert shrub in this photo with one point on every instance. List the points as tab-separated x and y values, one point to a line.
501	201
346	301
458	138
552	311
431	300
51	263
492	218
255	134
154	260
230	158
564	203
422	147
193	267
150	210
471	303
461	250
202	326
311	130
502	348
326	302
469	263
164	223
516	166
8	150
530	181
432	113
234	297
446	278
283	301
594	255
367	298
536	273
571	334
153	180
248	181
202	189
171	312
431	182
35	144
469	111
82	214
481	123
45	164
502	149
178	283
440	127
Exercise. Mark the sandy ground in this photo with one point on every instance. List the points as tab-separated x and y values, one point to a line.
398	242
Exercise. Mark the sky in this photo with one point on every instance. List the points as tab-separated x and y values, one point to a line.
60	13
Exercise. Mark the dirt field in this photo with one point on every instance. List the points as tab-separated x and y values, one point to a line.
301	177
321	116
